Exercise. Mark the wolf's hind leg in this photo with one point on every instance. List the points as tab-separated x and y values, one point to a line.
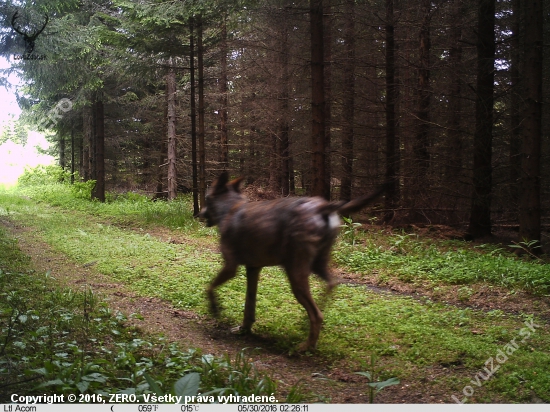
252	277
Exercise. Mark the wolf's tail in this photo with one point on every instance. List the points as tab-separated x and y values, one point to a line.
356	205
345	208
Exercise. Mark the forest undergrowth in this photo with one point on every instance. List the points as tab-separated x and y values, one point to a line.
58	340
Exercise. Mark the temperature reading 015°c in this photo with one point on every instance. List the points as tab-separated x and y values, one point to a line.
189	408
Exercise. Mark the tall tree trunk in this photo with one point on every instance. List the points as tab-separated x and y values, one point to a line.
252	155
93	150
421	143
327	60
62	161
318	129
145	164
162	145
291	176
284	126
81	164
87	137
202	159
274	164
480	212
224	149
99	189
274	160
162	160
171	131
531	133
196	208
515	103
72	154
349	102
454	153
392	140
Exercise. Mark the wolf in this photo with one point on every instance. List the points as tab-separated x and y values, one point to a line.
296	233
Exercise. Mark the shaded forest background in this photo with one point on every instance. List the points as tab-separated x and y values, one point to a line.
441	100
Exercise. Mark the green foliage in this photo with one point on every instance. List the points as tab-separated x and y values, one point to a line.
530	247
240	373
374	385
51	184
411	259
15	131
44	179
44	175
349	230
188	385
82	190
222	376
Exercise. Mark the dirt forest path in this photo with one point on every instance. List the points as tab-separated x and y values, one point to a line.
332	383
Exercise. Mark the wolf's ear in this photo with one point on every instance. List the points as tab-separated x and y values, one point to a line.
221	182
236	184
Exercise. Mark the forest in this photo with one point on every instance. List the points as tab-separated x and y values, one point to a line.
442	100
104	264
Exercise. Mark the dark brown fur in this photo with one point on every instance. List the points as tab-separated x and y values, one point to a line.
296	233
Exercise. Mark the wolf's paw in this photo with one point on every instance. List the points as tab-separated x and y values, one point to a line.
332	284
240	330
305	347
214	309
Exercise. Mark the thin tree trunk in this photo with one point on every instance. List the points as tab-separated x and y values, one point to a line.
515	103
196	208
62	161
285	115
224	149
202	159
145	165
327	60
454	162
529	206
87	137
93	134
99	116
392	141
318	132
349	103
160	193
162	158
72	154
480	212
421	143
81	164
291	176
171	131
274	160
274	169
252	155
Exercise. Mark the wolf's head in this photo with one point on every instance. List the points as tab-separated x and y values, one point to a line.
221	197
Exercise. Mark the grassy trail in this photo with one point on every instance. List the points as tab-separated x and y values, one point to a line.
439	348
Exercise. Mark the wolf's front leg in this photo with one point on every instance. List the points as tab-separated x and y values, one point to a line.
228	272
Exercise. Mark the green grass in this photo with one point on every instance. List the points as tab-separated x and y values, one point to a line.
411	259
125	209
409	337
